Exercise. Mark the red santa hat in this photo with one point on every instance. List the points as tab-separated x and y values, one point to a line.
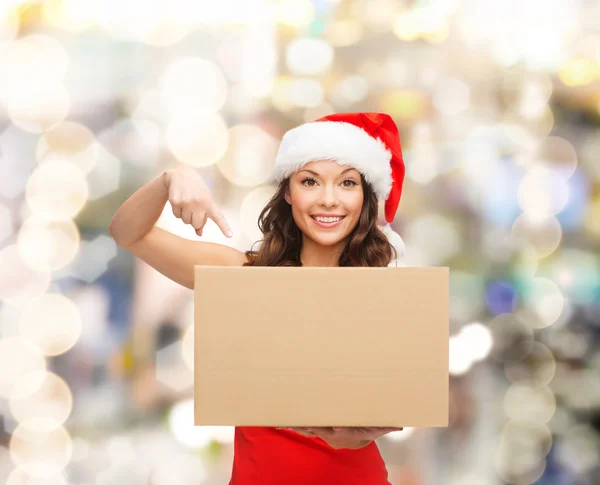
369	142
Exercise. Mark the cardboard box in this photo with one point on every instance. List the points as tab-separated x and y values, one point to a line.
289	346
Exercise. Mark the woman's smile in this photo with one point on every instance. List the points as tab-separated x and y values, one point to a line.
327	222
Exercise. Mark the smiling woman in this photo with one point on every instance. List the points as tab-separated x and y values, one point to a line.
332	174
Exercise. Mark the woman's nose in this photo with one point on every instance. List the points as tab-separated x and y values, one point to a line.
329	196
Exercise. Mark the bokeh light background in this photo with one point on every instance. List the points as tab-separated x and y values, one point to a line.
498	105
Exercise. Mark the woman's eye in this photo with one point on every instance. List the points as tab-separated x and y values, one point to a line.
313	181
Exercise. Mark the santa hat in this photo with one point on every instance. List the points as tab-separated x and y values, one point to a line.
369	142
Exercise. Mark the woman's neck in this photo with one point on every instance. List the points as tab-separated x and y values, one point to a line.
316	255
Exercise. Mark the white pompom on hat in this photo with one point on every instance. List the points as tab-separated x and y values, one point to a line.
369	142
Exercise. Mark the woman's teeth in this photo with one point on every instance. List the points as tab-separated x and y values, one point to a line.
328	219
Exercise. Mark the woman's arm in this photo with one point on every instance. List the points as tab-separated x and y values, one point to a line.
133	226
139	213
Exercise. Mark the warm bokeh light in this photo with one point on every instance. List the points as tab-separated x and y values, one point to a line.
53	322
6	223
71	142
57	190
9	24
180	417
24	357
51	400
537	367
507	332
71	15
541	235
305	93
192	86
348	91
19	282
542	193
249	159
198	142
578	72
309	57
527	92
48	245
295	13
19	477
529	404
546	299
41	447
250	209
432	238
343	33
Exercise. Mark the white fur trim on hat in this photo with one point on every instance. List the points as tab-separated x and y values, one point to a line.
395	240
336	140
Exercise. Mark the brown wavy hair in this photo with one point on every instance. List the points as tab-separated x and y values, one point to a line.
282	238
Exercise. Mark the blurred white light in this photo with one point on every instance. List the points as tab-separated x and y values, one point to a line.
305	92
52	58
48	245
460	357
19	282
259	56
52	399
53	322
250	210
57	191
37	108
24	357
436	236
546	299
558	155
478	339
41	447
529	404
9	24
343	33
73	15
104	178
217	13
19	477
296	13
542	192
542	235
181	424
250	157
6	223
198	142
191	86
309	57
451	97
425	157
71	142
397	436
351	89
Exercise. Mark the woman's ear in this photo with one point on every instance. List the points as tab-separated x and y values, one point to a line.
286	196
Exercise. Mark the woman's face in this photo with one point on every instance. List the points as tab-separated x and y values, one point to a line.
325	188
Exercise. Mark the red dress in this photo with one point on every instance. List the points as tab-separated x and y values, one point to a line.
270	456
